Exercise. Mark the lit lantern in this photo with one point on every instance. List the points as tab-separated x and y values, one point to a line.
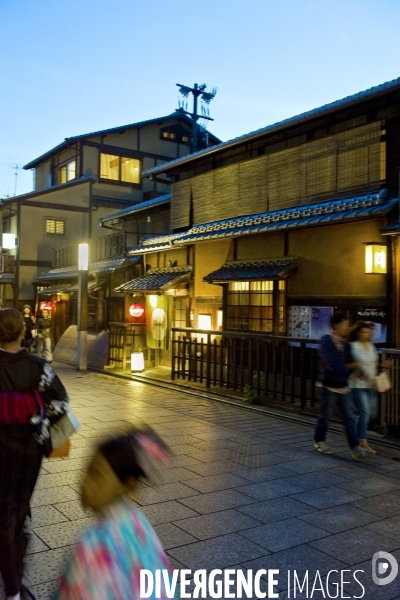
137	361
375	258
46	306
136	310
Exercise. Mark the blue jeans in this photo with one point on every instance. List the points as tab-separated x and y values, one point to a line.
328	402
365	402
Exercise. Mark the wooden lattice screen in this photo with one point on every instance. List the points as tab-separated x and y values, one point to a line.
348	161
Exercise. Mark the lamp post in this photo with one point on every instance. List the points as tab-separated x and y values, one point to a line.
83	270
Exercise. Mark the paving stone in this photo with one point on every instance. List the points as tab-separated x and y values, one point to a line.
254	461
340	518
36	545
60	466
284	534
266	473
212	468
47	566
270	511
355	545
316	479
328	496
370	486
63	534
45	591
212	483
269	489
49	516
384	505
215	501
388	527
215	524
166	512
73	510
163	492
309	465
44	497
170	476
300	559
172	536
217	553
58	479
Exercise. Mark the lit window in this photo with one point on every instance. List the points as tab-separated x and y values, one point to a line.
119	168
169	135
54	227
67	172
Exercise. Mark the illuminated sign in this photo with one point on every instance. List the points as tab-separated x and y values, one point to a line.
136	310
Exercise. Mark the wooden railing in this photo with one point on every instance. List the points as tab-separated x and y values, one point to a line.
125	338
280	367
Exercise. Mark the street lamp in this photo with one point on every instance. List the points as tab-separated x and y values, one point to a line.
83	270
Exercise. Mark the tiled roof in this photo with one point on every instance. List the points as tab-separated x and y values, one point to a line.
157	280
308	215
153	244
252	270
316	112
135	208
392	229
55	289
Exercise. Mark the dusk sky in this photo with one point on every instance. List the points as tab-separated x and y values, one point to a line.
76	66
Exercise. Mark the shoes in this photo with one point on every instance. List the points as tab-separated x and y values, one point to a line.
322	448
365	446
359	453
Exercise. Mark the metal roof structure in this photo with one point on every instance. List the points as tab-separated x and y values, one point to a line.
157	280
311	114
136	208
256	270
308	215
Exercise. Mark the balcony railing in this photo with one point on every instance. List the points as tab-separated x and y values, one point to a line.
100	248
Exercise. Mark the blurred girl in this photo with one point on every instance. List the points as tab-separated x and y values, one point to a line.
106	563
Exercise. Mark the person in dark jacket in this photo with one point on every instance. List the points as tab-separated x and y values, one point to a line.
336	365
45	336
20	453
29	321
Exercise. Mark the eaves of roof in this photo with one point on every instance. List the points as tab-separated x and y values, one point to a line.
252	271
55	188
72	140
95	268
311	114
157	280
136	208
308	215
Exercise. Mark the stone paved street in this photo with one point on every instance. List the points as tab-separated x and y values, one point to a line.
244	490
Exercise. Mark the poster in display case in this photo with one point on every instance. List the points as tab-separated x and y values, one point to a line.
309	322
376	317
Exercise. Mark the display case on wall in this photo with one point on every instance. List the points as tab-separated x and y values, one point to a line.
309	322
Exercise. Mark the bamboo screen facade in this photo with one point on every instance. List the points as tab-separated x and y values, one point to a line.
352	160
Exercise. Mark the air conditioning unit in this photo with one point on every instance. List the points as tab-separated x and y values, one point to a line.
6	263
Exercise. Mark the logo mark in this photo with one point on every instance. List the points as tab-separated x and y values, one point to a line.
380	565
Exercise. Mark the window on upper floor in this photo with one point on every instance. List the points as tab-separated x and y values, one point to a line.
67	172
175	133
55	227
119	168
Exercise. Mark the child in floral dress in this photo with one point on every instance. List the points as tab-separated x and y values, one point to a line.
106	564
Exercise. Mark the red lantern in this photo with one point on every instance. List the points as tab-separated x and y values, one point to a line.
46	306
136	310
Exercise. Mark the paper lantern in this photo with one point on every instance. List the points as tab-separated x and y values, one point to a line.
136	310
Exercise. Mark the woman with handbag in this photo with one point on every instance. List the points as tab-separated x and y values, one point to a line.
21	374
362	380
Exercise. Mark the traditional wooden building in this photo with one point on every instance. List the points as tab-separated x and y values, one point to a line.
274	224
78	182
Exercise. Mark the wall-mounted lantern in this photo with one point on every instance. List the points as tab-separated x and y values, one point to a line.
136	310
375	258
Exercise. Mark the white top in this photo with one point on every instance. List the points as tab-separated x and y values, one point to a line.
367	356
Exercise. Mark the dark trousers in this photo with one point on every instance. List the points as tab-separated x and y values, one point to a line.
328	402
20	460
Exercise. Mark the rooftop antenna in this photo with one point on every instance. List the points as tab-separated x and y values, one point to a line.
16	168
205	95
